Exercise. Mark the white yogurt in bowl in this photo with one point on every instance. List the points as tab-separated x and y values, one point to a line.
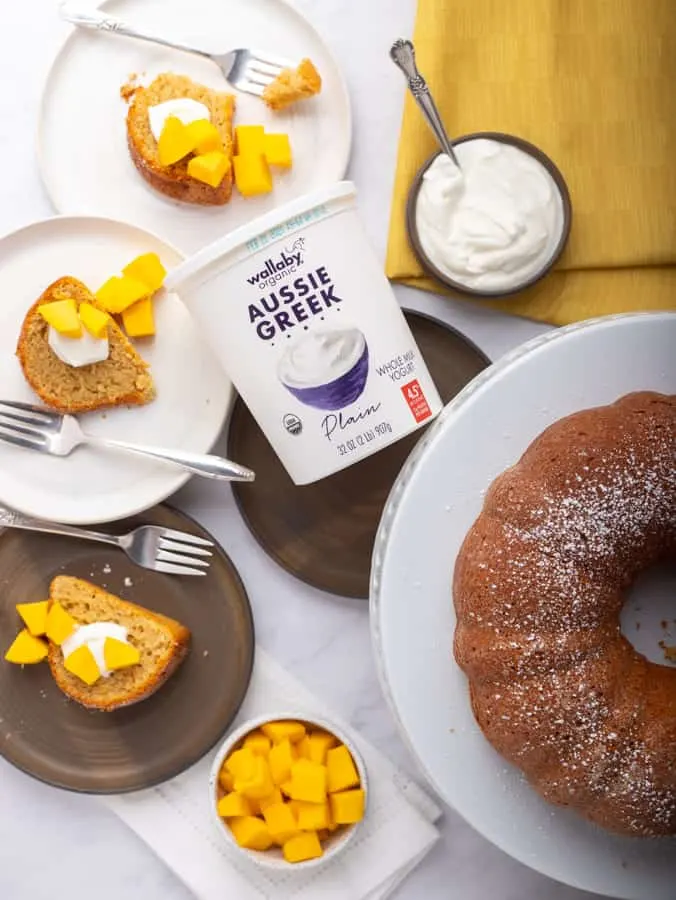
495	225
305	323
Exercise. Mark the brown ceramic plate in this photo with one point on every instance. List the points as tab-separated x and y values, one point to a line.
323	533
57	741
557	177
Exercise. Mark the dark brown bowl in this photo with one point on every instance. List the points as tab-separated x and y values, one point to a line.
526	147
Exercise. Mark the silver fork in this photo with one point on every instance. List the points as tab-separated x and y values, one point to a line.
36	428
246	70
149	546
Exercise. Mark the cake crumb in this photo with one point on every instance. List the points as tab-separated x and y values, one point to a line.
128	89
106	569
669	651
128	582
205	653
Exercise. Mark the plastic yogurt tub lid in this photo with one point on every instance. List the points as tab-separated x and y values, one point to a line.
237	239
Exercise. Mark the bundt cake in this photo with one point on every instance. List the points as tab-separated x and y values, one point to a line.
538	587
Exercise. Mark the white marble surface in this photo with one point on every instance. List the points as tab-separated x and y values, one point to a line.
54	844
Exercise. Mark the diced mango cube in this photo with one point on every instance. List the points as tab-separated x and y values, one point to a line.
120	655
278	731
281	822
303	748
205	136
255	805
294	806
251	833
232	805
26	649
175	142
82	664
138	319
274	797
285	788
347	807
313	816
258	743
147	268
95	320
308	781
252	175
62	316
302	846
249	140
320	743
341	769
332	826
210	168
60	624
277	150
259	783
226	779
34	616
281	759
241	763
119	292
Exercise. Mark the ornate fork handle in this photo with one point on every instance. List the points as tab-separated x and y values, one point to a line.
403	55
97	21
11	519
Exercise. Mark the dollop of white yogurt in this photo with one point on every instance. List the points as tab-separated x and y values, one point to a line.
321	357
76	352
184	108
494	223
94	636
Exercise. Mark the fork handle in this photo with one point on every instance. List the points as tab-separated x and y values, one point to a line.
204	464
11	519
98	21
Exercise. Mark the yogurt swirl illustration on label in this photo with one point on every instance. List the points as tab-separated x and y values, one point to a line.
327	368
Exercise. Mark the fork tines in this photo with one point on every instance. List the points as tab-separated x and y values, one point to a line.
254	71
36	413
26	425
181	553
187	538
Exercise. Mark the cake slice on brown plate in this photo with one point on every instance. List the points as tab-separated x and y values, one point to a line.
161	642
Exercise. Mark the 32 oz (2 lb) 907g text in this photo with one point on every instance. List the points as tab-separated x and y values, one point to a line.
366	437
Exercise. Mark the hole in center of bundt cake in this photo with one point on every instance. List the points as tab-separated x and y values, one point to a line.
648	618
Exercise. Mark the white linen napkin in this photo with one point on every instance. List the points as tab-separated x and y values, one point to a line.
175	821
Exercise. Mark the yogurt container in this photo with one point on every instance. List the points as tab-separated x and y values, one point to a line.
306	325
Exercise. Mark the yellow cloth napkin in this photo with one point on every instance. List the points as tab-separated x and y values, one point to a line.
593	84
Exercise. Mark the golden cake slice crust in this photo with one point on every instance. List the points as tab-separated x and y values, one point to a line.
174	181
121	380
292	85
162	642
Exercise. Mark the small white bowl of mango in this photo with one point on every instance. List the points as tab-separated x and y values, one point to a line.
288	792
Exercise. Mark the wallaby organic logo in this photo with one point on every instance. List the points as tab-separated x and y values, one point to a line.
277	267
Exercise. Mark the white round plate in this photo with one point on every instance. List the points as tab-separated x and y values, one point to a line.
193	393
432	505
82	141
